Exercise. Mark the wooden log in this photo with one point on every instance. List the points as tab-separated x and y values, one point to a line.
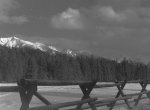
148	82
102	102
9	89
57	82
134	94
132	81
106	85
141	98
111	100
44	100
84	107
62	105
131	101
121	103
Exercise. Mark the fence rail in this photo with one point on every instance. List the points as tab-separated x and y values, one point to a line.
56	82
62	105
28	87
9	89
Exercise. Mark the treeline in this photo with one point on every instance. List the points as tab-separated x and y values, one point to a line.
17	63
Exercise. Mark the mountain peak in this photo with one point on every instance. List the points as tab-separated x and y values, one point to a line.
16	42
70	52
9	42
14	38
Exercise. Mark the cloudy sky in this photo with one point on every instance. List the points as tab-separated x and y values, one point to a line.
108	28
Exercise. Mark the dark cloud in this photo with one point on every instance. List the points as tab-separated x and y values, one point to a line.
107	15
114	31
145	3
5	8
104	14
109	28
120	4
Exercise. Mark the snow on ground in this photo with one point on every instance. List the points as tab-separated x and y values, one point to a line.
11	101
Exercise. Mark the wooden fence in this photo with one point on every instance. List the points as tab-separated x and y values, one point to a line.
28	87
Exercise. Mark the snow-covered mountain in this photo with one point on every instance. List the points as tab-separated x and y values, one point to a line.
15	42
69	52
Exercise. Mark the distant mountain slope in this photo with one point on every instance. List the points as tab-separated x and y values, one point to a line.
15	42
11	42
20	58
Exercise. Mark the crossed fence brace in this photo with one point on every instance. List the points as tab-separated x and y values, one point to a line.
121	93
27	88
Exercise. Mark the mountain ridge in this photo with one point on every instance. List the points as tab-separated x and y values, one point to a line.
15	42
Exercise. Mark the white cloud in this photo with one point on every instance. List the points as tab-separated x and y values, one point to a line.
129	15
13	19
69	19
5	7
108	13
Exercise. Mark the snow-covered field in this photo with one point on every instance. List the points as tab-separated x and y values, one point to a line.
11	101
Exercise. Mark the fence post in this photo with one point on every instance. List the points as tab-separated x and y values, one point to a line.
26	91
143	85
86	89
120	93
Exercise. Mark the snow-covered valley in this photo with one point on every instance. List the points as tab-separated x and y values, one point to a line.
11	101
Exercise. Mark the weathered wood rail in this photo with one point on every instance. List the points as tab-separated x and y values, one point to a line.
9	89
62	105
28	87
